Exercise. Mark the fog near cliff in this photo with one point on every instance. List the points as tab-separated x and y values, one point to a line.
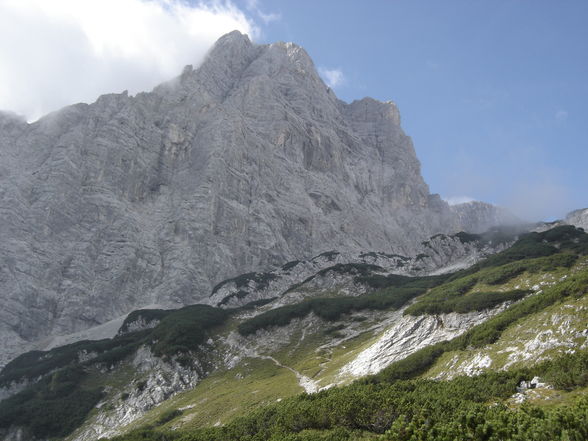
55	53
544	200
524	183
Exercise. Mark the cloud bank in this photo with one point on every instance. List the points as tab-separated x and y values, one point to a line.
55	53
333	77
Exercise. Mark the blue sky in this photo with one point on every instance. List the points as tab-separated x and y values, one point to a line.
493	93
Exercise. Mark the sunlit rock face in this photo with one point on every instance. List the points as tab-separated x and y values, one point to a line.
245	162
578	218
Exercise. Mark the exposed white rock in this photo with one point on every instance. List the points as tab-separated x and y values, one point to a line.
578	218
476	366
161	380
410	334
562	331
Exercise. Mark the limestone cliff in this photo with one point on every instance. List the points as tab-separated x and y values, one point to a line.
244	163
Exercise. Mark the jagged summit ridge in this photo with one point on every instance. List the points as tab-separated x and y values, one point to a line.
246	162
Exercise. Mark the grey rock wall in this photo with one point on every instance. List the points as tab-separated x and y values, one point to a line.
239	165
578	218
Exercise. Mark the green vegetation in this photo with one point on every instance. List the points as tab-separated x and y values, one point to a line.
358	269
261	279
179	331
532	253
239	295
393	292
167	416
441	295
375	255
54	406
146	315
330	308
379	281
226	394
255	303
476	301
362	269
472	408
392	405
329	255
59	402
504	273
34	364
185	329
532	245
568	372
561	323
496	235
289	265
468	237
485	333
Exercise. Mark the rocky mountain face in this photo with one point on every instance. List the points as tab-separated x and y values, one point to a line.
478	217
578	218
243	164
438	255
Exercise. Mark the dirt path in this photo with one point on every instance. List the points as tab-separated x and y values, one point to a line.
307	383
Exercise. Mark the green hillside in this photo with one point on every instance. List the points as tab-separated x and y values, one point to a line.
540	328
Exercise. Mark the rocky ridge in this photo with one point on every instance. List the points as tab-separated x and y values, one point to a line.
242	164
578	218
293	280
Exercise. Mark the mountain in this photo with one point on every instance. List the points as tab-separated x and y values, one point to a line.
578	218
240	165
478	217
355	351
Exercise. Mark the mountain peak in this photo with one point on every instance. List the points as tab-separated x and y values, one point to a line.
233	38
239	165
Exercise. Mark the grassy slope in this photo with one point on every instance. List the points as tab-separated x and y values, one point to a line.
253	382
549	333
305	358
224	395
228	393
523	331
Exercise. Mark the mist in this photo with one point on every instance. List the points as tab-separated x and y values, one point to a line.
523	182
66	51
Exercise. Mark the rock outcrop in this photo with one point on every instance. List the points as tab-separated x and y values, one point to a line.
243	164
578	218
478	217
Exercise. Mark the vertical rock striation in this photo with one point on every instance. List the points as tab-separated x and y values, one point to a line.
246	162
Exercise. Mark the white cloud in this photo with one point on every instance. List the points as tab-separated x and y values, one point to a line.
266	17
456	200
54	53
333	77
